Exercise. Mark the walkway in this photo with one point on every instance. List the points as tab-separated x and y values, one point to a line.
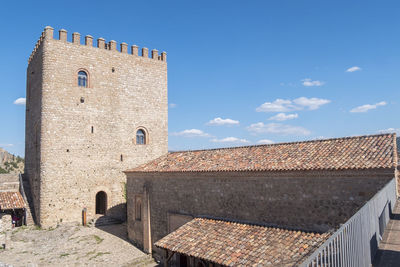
389	249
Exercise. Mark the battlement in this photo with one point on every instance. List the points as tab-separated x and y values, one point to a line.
48	33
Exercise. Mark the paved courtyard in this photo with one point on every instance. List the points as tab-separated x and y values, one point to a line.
71	246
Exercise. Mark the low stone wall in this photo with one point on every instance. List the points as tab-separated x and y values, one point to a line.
9	182
5	222
307	200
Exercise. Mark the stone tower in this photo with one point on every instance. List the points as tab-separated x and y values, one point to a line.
91	113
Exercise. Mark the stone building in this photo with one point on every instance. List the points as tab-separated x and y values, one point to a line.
12	204
94	111
91	112
12	209
307	186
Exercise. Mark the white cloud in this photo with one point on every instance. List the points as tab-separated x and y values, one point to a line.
172	105
390	130
265	142
230	140
277	128
353	69
279	105
285	105
310	103
20	101
6	145
365	108
283	117
220	121
191	133
309	82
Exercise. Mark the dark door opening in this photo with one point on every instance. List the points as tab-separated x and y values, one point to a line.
101	202
183	260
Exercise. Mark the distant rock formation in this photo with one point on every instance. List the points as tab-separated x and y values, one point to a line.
10	163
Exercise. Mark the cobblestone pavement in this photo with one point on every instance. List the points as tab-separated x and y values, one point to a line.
389	249
71	246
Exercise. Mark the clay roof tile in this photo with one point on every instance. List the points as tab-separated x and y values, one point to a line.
238	244
360	152
11	200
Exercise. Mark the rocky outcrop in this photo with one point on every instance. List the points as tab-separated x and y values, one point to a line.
10	163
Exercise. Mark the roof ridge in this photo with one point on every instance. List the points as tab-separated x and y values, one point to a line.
353	152
258	170
258	224
284	143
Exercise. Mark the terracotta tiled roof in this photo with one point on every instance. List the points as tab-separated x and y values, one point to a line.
361	152
236	244
11	200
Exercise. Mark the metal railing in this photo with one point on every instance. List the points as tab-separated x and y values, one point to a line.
356	242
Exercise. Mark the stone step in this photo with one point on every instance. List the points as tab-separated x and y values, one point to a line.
104	220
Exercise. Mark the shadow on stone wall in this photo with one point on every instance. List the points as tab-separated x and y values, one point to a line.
118	212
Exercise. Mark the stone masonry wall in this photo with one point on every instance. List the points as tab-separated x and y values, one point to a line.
5	223
314	201
125	92
34	83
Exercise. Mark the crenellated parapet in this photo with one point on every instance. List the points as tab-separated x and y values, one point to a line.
48	33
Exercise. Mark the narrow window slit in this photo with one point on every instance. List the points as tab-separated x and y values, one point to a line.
138	208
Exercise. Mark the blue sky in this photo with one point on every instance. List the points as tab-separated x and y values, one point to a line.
240	72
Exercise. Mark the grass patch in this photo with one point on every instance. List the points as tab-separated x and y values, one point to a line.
20	228
72	238
90	253
98	239
99	254
85	238
64	255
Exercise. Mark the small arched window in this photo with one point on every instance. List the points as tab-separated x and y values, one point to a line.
140	137
82	79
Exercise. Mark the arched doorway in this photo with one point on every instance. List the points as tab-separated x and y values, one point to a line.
101	202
